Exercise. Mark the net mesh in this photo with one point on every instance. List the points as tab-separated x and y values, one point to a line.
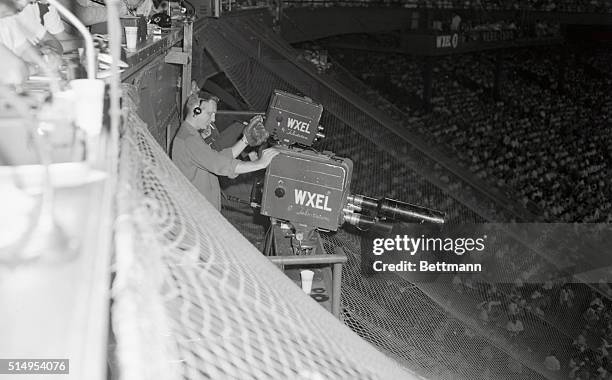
193	299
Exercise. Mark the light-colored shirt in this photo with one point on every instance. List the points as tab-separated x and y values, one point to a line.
12	35
17	31
201	164
30	16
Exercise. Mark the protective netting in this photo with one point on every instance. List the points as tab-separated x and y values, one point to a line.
194	300
402	318
437	329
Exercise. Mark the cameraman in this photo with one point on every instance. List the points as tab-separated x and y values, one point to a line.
194	148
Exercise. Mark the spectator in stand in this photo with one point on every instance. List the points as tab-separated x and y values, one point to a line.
551	363
515	326
566	297
455	23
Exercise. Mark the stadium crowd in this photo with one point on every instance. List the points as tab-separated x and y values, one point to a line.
405	174
565	325
545	146
527	304
581	6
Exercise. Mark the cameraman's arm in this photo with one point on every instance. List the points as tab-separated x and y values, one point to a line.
262	163
204	157
219	163
235	150
253	129
238	147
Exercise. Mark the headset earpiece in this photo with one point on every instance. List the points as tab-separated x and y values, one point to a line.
197	110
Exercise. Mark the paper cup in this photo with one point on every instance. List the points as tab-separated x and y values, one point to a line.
307	276
89	104
131	36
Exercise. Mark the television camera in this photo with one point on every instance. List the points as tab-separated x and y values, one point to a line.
305	192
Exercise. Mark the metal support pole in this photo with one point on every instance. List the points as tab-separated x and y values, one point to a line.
337	289
182	56
186	75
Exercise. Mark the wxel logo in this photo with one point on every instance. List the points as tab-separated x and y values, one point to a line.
318	201
447	41
301	126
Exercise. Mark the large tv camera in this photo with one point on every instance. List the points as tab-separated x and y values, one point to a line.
305	191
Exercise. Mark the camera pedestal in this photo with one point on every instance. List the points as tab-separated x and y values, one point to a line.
292	256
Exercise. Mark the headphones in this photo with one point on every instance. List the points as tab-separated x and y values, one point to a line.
162	20
198	110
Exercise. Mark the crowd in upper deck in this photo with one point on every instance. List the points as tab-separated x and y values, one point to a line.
578	6
546	147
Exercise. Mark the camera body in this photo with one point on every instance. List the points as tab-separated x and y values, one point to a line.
292	119
307	189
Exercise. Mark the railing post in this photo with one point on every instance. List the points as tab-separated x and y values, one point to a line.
182	56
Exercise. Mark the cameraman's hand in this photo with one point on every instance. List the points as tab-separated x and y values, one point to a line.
262	163
267	156
255	132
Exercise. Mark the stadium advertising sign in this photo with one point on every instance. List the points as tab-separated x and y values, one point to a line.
447	41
